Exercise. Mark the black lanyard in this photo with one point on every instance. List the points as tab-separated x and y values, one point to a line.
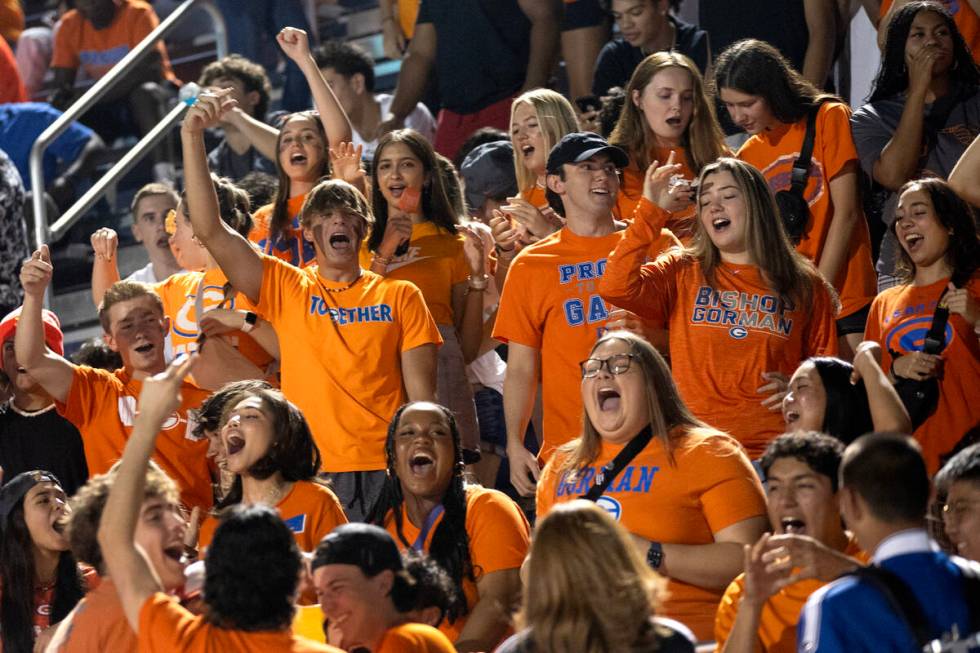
608	472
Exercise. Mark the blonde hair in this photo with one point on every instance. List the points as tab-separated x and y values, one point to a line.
703	139
791	275
555	119
665	408
588	589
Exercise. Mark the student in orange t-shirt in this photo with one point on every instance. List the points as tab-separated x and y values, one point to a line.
39	576
225	313
771	101
417	237
102	404
550	310
98	623
94	37
697	482
426	507
268	445
761	607
358	344
938	263
363	587
964	15
667	112
743	308
304	148
252	567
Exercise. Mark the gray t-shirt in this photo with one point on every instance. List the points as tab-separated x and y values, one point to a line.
874	124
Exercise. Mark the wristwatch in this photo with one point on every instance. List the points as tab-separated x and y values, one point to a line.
655	555
250	320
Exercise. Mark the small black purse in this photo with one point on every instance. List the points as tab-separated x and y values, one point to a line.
921	396
793	207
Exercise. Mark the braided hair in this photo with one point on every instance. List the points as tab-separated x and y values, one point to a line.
450	546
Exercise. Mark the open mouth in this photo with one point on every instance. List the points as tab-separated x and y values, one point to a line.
174	552
145	349
792	525
720	224
340	241
396	191
608	399
163	242
790	417
527	150
913	241
600	191
298	158
674	122
59	525
421	464
234	445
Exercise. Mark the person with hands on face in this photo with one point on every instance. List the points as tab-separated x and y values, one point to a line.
359	345
417	237
697	481
844	400
100	403
807	548
551	313
478	535
302	156
250	611
740	303
938	264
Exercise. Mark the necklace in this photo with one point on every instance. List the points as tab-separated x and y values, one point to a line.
360	275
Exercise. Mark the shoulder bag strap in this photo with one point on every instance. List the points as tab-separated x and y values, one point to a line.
801	167
608	472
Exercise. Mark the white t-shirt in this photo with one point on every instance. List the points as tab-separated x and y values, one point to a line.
144	275
420	120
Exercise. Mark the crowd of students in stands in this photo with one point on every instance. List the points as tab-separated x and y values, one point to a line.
608	380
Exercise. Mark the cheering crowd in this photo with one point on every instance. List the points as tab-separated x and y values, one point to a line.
532	375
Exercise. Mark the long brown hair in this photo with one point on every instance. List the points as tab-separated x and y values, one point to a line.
703	139
280	218
788	272
664	405
588	589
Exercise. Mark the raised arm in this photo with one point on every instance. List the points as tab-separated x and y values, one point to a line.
819	15
295	43
888	413
545	17
51	371
263	137
105	267
128	568
964	177
236	257
413	78
468	296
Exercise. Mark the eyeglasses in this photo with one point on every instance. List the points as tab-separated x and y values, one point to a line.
957	511
616	364
170	222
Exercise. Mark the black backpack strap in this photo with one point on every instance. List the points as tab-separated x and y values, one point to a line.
607	473
801	167
901	599
935	341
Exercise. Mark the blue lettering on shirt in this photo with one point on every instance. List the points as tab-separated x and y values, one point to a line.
296	524
356	315
742	312
633	479
103	57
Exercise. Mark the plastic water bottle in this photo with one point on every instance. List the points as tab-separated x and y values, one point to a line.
189	92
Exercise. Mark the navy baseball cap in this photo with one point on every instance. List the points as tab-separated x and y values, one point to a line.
580	146
488	171
363	545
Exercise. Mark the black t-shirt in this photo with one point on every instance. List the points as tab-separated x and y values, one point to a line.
618	59
780	22
43	440
482	49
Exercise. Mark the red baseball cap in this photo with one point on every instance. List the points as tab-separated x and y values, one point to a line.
53	336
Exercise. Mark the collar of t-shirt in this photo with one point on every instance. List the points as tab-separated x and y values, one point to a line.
913	540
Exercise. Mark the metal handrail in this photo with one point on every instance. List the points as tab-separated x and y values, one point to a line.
42	232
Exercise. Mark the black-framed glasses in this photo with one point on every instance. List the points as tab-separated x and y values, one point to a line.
616	364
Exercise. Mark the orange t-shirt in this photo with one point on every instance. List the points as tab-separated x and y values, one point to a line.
550	301
680	223
721	339
774	153
167	627
414	638
967	21
78	44
499	537
98	624
179	294
290	246
780	614
434	262
102	406
711	486
899	320
311	510
13	89
341	359
11	20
